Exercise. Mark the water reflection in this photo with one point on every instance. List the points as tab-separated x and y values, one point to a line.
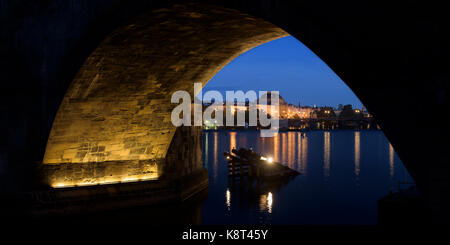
357	153
299	150
265	203
320	194
269	202
232	141
391	160
276	147
216	153
303	151
291	151
228	199
326	154
205	162
284	146
187	212
307	199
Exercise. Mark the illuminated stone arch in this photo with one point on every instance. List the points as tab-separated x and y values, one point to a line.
114	121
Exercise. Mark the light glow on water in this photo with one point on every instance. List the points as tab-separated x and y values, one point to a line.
357	153
348	195
228	198
391	160
269	202
326	154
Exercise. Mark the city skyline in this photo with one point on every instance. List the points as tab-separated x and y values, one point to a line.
299	104
288	66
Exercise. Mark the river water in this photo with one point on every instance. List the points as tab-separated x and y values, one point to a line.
343	174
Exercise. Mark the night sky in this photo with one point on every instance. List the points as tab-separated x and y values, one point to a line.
288	66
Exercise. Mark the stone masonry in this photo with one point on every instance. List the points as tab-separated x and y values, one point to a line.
117	109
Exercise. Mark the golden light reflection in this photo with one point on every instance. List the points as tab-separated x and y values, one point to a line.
291	151
266	202
216	153
269	202
232	140
326	154
357	153
304	158
228	198
299	150
284	147
206	150
276	147
391	160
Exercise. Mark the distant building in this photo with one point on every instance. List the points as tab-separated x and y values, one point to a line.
291	111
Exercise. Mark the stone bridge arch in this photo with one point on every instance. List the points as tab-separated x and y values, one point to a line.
394	57
114	121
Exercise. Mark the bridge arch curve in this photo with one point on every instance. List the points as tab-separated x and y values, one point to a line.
116	112
395	59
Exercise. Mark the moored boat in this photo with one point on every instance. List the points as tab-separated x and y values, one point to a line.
246	162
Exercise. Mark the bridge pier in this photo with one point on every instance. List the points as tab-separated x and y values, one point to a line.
180	176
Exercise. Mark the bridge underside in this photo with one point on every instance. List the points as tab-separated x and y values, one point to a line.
398	67
114	121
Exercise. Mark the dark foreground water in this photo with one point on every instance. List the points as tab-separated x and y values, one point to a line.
343	174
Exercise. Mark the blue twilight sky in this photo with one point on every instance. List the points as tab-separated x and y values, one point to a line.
288	66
